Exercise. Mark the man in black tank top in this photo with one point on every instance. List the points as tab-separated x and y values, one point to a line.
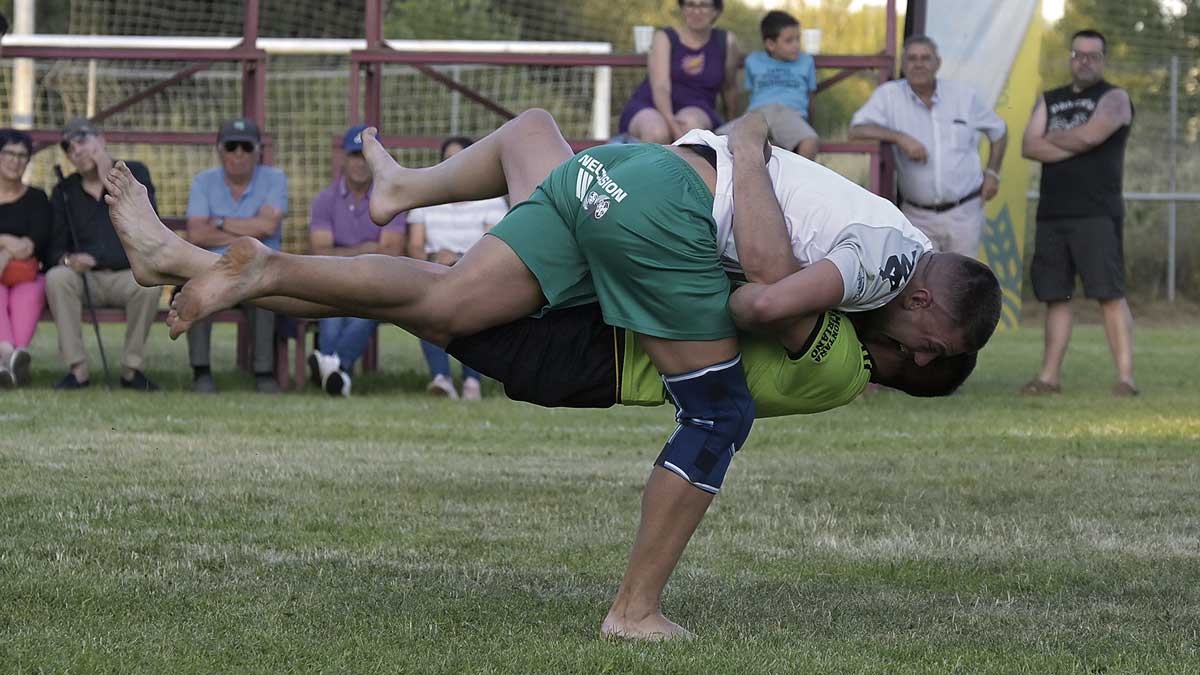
1078	133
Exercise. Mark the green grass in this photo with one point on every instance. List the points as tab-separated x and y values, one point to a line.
984	533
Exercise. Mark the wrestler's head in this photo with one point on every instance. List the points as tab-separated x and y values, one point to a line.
949	306
940	377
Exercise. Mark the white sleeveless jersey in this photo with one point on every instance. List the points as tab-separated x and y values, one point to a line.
869	240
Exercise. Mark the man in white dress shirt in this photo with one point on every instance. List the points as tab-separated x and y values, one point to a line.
934	125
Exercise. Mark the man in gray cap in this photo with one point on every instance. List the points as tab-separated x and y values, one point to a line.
239	198
84	243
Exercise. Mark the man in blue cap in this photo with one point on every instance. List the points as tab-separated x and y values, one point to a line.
339	224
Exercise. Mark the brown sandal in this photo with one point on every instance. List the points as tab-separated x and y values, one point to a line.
1124	390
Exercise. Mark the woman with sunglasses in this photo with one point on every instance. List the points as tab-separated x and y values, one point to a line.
688	66
25	219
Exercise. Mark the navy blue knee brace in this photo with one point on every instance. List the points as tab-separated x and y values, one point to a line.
715	413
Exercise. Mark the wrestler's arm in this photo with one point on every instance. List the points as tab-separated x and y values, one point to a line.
776	307
759	228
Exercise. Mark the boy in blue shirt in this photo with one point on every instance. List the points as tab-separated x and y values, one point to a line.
780	81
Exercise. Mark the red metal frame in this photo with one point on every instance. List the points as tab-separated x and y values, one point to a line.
377	54
254	91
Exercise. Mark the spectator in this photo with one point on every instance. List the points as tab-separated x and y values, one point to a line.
25	227
1078	133
83	244
239	198
442	234
781	81
687	67
935	126
340	225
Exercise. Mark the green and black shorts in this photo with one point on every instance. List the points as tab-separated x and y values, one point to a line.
630	226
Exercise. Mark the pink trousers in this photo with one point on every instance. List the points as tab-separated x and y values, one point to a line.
20	307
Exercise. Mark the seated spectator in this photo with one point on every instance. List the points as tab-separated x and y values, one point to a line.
25	222
781	81
442	234
340	225
84	245
687	67
239	198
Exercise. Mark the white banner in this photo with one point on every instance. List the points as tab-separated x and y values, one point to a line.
978	45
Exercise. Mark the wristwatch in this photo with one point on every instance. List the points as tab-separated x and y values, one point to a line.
219	222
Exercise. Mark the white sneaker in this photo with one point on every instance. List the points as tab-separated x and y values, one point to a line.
18	364
334	380
441	386
338	383
471	390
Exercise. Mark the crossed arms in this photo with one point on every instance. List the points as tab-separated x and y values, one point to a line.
1112	112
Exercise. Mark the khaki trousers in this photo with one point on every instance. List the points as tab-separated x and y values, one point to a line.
65	295
957	230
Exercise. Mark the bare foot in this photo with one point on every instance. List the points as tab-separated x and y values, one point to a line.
148	243
236	277
653	628
387	185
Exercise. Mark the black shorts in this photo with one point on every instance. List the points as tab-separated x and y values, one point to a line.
1091	247
568	358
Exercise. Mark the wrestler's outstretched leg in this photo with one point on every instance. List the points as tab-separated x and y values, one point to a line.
158	256
488	286
511	160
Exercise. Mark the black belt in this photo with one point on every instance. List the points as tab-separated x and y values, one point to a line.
945	206
708	154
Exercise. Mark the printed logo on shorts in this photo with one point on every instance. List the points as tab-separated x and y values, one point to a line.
593	171
596	204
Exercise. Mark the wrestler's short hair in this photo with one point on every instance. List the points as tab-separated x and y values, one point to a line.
972	296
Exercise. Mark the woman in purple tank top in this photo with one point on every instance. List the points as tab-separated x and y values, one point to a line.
687	67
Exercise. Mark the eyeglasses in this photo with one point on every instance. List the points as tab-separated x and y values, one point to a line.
1092	57
698	6
245	146
18	157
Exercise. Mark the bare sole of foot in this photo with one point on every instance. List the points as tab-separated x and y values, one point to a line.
652	629
235	278
386	175
146	239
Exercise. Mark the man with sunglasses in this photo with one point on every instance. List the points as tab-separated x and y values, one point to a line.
1078	133
83	242
238	198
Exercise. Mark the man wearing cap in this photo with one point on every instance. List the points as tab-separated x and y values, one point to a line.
239	198
340	225
84	243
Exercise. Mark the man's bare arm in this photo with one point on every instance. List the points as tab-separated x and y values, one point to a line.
1112	112
202	233
1033	144
759	228
788	308
261	226
321	243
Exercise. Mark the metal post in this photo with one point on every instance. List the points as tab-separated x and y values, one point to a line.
91	89
455	99
374	34
1172	141
24	12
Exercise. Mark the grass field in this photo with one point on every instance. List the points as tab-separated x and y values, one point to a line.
985	533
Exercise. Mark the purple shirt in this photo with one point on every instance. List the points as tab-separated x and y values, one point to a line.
335	209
